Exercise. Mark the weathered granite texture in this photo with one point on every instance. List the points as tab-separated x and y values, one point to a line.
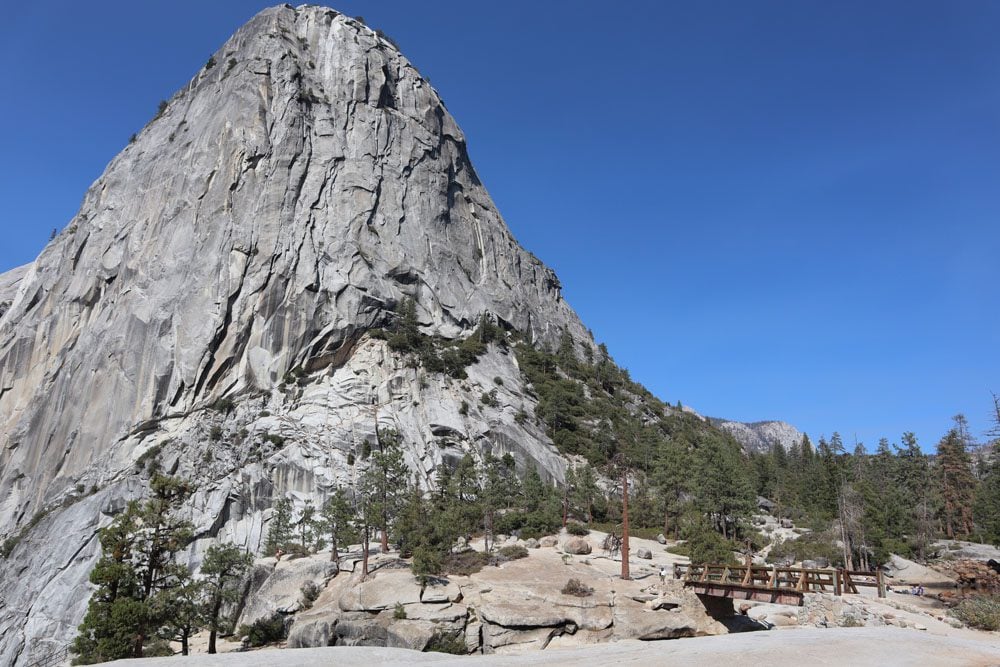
278	207
761	436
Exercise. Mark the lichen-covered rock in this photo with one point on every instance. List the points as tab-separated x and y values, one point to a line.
644	553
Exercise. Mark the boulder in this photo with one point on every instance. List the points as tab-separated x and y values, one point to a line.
361	629
548	541
383	591
661	538
531	543
635	621
440	593
279	588
312	633
498	639
577	546
414	635
643	552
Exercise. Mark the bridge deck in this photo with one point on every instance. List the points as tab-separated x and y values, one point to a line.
783	585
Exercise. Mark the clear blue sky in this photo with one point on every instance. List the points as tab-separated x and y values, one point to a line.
768	210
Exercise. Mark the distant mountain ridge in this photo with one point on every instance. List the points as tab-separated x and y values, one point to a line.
762	436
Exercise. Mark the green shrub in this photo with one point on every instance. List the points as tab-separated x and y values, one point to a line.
223	405
981	612
453	643
577	588
211	62
148	457
706	546
810	546
426	561
310	592
399	613
264	631
465	563
577	529
464	410
215	433
512	552
680	549
633	531
276	440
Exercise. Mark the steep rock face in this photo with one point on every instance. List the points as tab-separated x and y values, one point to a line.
761	436
278	207
9	283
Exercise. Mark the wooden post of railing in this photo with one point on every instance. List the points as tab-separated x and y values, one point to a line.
836	582
881	582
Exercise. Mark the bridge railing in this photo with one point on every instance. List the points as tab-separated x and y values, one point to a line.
774	578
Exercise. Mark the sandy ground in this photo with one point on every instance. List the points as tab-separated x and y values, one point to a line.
858	647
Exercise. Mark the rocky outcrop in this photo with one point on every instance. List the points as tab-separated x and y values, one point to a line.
211	302
761	436
516	607
277	587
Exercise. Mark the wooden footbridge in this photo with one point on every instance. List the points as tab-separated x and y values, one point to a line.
781	585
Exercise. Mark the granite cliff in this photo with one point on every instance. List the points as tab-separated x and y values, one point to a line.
211	305
761	436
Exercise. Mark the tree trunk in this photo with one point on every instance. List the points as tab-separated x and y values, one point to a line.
625	570
216	606
364	555
184	644
334	556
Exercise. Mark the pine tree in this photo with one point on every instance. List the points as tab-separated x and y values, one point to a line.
919	487
987	505
585	492
957	482
722	489
308	534
279	532
223	570
385	484
135	575
494	491
181	610
115	612
336	517
671	479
